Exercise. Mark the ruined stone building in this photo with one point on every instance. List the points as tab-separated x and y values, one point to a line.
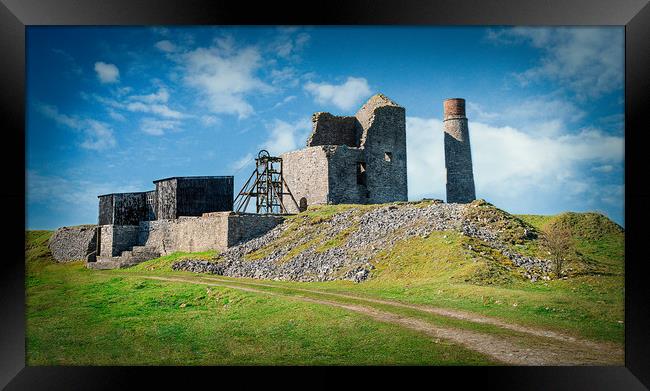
358	159
182	214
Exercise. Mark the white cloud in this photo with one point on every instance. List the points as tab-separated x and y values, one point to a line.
107	73
97	135
284	101
58	194
162	110
52	112
604	168
209	120
161	96
512	167
243	162
165	46
344	96
588	60
539	114
115	115
288	45
224	75
156	127
285	136
425	158
285	77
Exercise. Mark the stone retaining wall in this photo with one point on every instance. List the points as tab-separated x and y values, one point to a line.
212	231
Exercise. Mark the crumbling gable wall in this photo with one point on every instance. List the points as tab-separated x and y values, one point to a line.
328	129
383	139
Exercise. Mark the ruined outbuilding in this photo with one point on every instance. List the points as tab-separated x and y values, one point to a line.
358	159
182	214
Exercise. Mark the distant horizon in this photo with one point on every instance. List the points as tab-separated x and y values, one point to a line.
111	109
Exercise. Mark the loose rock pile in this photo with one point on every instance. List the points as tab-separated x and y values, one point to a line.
376	229
370	231
73	243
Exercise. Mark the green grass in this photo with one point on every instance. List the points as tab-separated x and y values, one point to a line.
77	316
165	263
441	271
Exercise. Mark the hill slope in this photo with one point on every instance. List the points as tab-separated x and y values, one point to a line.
480	242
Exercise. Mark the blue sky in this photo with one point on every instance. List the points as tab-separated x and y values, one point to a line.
112	109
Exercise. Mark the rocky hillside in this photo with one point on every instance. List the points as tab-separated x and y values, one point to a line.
349	241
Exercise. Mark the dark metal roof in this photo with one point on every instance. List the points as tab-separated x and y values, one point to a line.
193	177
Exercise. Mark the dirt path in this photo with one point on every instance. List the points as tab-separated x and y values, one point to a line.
450	313
555	350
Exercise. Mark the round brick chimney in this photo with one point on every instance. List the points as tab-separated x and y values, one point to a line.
454	108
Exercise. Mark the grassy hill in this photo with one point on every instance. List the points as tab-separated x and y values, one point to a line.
79	316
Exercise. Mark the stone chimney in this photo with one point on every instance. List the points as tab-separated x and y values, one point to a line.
458	154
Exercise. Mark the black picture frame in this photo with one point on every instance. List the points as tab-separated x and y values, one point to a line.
15	15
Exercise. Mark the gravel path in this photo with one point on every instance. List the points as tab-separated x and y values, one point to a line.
552	349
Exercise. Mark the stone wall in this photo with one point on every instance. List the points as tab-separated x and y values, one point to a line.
193	196
342	176
306	173
212	231
73	243
244	227
187	234
384	145
122	208
458	154
166	199
198	195
372	169
117	238
328	129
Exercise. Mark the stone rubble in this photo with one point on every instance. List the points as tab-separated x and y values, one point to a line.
377	229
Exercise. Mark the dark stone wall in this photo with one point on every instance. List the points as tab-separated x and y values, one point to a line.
105	209
166	199
122	208
328	129
151	199
196	196
343	167
129	208
187	196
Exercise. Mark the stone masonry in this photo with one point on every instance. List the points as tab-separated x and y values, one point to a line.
458	154
73	243
358	159
126	245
